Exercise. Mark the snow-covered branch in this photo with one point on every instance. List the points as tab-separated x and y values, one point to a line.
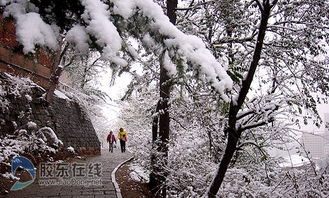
98	25
234	40
255	124
189	46
249	142
271	107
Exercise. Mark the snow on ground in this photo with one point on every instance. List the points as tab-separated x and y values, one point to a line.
31	125
10	176
139	173
29	137
70	149
61	95
294	161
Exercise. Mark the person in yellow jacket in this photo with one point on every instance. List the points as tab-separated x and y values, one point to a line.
122	136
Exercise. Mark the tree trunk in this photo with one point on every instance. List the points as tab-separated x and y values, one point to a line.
160	161
165	86
160	140
56	71
229	152
235	106
154	181
171	10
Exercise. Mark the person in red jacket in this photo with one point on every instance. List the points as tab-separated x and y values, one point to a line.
111	140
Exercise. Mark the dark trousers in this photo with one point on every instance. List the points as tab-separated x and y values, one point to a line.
123	146
111	147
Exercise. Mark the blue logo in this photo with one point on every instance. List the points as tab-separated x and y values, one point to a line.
27	165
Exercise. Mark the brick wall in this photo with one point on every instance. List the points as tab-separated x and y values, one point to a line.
36	66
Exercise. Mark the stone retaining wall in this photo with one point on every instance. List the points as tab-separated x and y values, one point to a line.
73	125
22	101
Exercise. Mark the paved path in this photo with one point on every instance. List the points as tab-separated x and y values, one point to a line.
103	188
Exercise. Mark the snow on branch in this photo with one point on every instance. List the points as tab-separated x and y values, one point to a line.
257	117
170	67
188	46
97	17
78	35
256	124
251	142
31	30
271	107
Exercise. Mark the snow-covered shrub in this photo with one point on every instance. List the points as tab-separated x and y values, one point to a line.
302	183
40	141
48	136
19	132
197	143
191	160
190	165
70	149
10	148
138	125
138	173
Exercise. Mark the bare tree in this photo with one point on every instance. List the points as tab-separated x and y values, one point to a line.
233	131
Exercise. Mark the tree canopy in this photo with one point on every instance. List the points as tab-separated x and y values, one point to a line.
106	25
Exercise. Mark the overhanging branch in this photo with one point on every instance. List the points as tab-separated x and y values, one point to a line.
255	125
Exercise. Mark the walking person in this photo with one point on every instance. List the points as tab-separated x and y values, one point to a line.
122	135
111	140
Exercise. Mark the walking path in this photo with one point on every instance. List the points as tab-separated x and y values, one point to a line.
101	177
